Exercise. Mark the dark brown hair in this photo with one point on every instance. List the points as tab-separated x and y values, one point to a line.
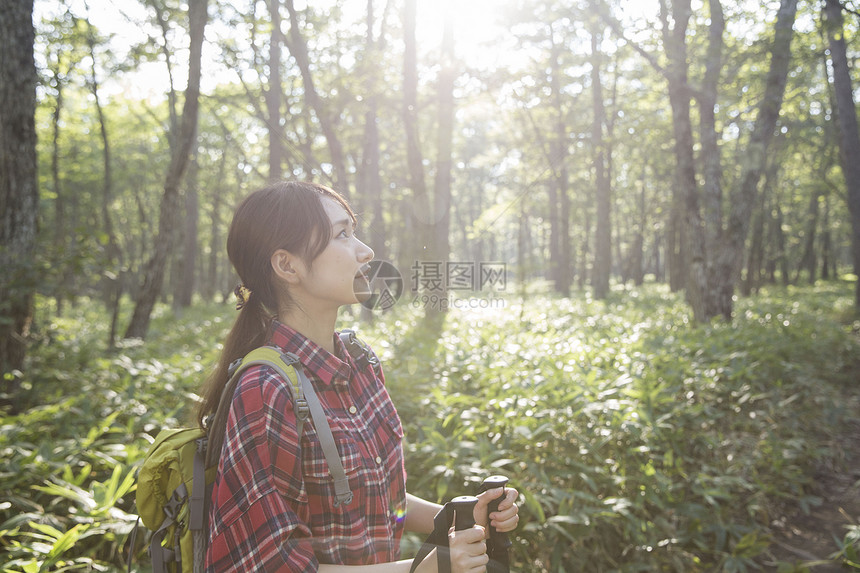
286	215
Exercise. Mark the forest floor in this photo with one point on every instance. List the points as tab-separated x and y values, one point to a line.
808	539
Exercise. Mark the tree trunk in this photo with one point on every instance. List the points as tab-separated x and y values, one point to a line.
603	236
755	257
808	259
60	239
706	230
164	26
372	180
686	241
444	147
113	255
826	242
637	267
187	281
299	49
417	213
210	286
729	256
19	194
273	95
849	135
154	274
559	201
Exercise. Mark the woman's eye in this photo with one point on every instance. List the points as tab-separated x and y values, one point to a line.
343	234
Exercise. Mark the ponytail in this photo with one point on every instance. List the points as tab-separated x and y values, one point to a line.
250	331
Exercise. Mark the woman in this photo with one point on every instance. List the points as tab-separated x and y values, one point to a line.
272	507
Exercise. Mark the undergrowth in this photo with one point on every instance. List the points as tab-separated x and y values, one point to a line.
639	441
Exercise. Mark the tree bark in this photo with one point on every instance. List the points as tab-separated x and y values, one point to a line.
444	146
416	223
808	259
155	268
826	243
848	130
113	255
603	234
187	281
299	49
559	200
273	95
704	217
729	257
371	178
19	195
60	238
686	235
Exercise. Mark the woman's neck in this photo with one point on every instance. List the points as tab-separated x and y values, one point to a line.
317	327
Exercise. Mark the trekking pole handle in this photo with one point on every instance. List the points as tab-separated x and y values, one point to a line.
464	505
498	539
494	482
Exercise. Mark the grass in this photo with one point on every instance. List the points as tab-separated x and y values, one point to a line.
639	441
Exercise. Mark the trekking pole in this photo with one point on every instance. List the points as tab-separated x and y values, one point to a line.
464	505
497	548
463	508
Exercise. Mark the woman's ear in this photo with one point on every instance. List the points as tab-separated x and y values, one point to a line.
283	265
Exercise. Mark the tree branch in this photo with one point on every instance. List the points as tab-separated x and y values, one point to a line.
616	27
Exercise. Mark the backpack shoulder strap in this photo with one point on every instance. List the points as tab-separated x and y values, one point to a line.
266	356
281	363
306	402
360	352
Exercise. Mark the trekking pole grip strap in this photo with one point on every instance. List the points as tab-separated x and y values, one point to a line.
463	507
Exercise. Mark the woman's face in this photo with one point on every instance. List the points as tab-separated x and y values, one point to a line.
336	276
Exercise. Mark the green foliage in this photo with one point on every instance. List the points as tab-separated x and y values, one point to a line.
638	441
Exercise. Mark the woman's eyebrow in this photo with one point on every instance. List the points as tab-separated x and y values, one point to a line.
345	223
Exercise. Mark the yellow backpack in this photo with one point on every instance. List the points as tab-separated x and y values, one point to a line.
174	483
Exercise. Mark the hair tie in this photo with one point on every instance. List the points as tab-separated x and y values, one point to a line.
243	295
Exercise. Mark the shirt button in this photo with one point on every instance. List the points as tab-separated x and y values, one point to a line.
378	460
353	410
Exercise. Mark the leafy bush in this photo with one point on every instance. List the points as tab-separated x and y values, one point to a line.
639	441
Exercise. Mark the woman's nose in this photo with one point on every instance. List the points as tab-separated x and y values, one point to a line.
365	252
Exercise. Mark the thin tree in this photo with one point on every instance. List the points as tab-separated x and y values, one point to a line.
849	140
417	230
155	268
64	51
113	253
441	246
603	188
19	195
299	49
559	192
371	179
727	257
273	94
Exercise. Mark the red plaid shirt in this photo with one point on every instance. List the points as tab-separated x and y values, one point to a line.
272	512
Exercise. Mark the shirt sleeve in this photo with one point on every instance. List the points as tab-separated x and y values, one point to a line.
258	493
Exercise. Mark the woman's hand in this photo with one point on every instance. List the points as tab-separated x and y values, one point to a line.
468	550
506	517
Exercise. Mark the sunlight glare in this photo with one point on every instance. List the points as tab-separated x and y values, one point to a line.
479	36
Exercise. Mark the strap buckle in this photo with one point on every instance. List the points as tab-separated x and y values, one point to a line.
173	505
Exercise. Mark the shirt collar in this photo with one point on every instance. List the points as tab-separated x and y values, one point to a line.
324	365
